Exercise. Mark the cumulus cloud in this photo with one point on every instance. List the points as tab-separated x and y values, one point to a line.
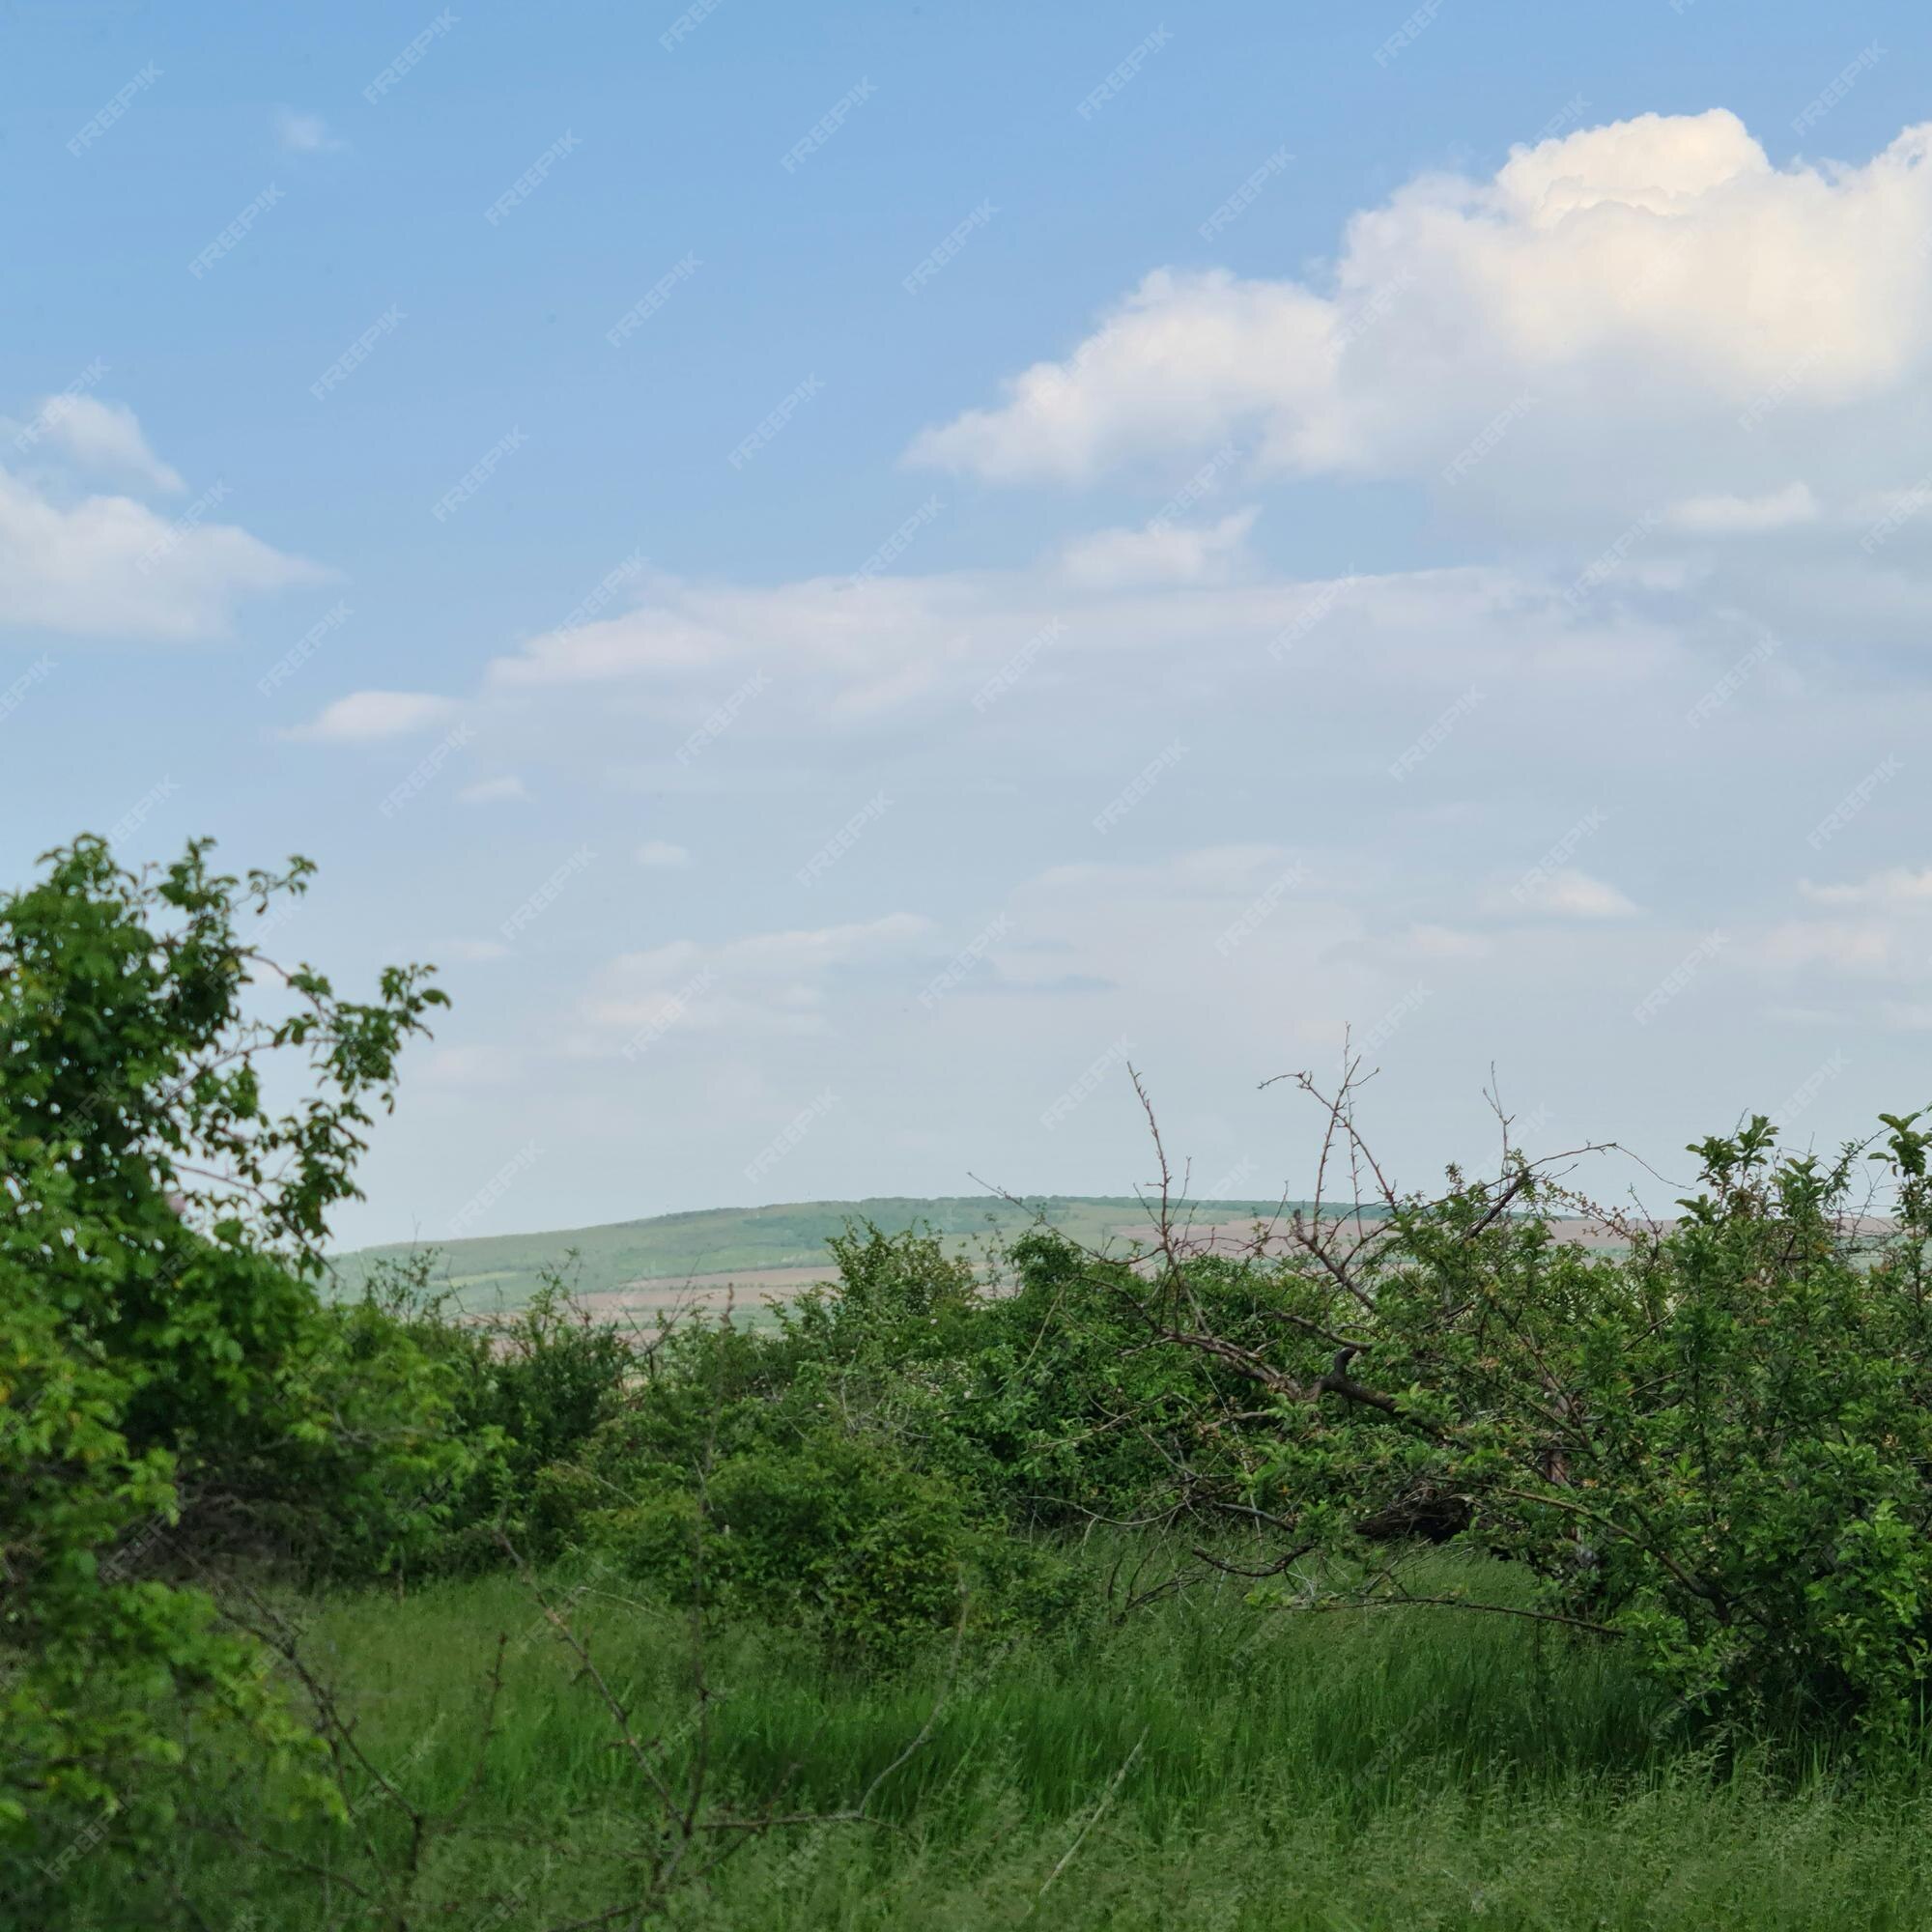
1659	292
365	717
1161	552
108	566
102	438
1724	516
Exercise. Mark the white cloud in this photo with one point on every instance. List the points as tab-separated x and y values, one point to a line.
662	852
1159	552
1728	516
365	716
711	661
303	134
1897	886
765	982
1568	894
1842	946
107	566
102	438
1667	298
507	790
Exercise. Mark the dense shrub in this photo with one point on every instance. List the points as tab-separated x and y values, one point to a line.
830	1534
1711	1446
168	1381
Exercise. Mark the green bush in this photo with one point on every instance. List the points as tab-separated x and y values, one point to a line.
164	1375
830	1535
1712	1447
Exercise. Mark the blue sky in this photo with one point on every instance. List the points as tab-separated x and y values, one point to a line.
1408	519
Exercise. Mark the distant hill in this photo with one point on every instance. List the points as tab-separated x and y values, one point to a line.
502	1271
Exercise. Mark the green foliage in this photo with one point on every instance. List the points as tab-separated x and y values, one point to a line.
828	1534
1712	1447
164	1366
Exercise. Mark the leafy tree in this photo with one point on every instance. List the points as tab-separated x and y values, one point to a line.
170	1384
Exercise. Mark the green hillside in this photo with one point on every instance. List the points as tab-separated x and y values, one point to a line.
502	1271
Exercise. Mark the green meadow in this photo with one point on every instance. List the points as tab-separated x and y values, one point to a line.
1201	1763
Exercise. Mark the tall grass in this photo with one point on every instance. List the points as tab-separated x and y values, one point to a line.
1206	1762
